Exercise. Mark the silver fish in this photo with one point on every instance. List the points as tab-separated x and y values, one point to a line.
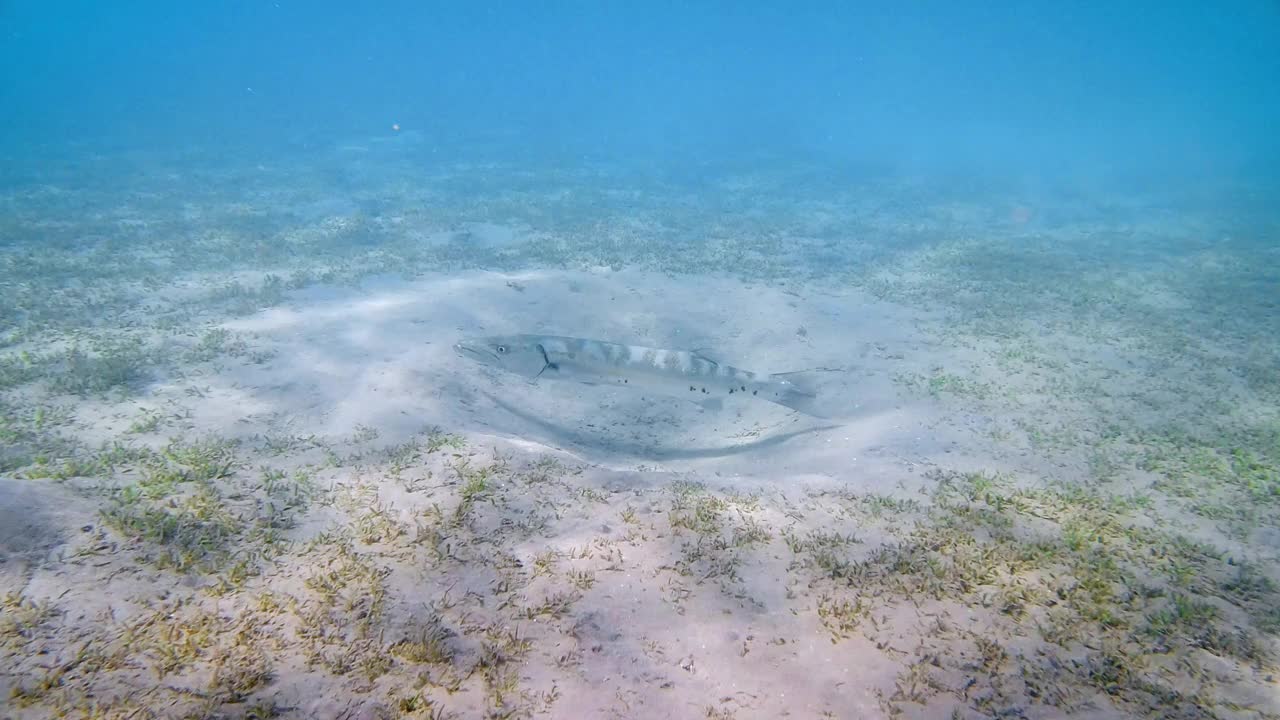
679	373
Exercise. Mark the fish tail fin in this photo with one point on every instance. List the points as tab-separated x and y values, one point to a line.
798	391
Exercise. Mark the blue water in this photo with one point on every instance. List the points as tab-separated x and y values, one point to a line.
1137	91
1025	255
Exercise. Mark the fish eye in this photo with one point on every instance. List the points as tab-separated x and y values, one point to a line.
502	348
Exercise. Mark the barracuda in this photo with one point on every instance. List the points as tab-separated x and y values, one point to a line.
678	373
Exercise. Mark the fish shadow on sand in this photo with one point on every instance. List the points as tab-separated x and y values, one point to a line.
36	517
569	436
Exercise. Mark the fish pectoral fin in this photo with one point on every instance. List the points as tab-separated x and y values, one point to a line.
546	359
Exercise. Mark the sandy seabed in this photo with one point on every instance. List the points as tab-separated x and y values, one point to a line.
336	516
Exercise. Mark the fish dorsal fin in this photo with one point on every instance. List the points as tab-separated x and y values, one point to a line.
810	371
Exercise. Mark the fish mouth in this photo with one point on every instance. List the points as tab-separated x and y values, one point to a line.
475	351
